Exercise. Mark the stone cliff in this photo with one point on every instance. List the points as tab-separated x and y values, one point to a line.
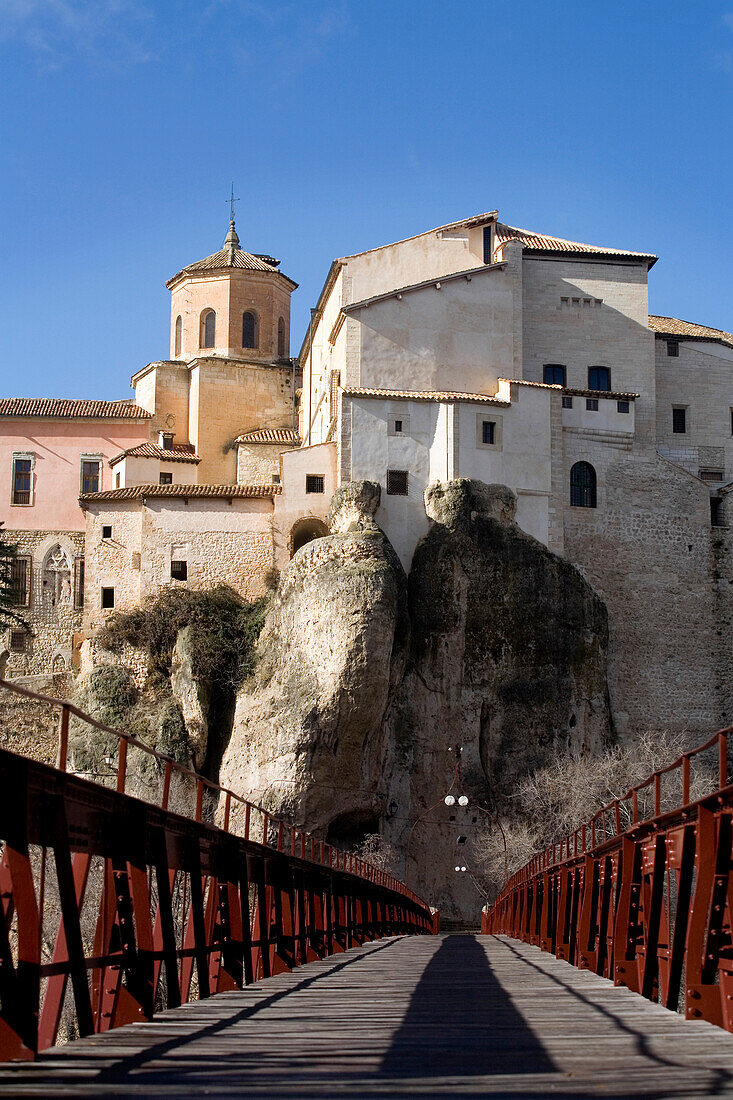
376	695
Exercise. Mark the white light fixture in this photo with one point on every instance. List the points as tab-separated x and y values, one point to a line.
463	800
464	868
457	868
450	800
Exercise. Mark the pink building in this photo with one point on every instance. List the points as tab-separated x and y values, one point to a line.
51	450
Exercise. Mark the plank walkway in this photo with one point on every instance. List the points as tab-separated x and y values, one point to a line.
454	1015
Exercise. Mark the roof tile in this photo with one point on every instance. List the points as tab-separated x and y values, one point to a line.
225	492
423	395
288	436
673	326
67	407
540	242
184	452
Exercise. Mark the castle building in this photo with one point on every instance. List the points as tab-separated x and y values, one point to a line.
476	350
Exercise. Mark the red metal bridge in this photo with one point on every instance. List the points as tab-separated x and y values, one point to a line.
168	948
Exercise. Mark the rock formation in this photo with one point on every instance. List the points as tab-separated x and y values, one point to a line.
376	696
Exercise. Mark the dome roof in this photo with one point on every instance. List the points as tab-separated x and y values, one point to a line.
231	256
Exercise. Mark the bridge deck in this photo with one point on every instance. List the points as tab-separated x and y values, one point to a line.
451	1015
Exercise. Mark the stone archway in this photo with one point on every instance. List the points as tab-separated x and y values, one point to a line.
305	530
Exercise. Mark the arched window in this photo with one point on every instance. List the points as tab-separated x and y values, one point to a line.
249	329
208	329
281	339
583	485
177	339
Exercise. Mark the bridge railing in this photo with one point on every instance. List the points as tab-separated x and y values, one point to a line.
643	892
113	907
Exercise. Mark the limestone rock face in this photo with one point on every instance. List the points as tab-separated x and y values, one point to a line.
306	734
375	697
192	695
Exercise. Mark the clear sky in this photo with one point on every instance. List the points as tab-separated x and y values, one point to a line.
344	124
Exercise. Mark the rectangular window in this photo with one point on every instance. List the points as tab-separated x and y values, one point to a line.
17	641
398	427
397	483
108	597
20	573
567	402
314	483
276	479
22	476
622	406
716	512
710	475
166	440
553	374
179	570
488	431
165	478
117	480
599	378
79	583
487	244
731	421
90	475
591	404
106	530
679	421
673	347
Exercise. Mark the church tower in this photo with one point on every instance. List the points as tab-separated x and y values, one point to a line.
233	304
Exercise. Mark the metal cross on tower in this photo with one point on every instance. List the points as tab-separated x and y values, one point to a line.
231	200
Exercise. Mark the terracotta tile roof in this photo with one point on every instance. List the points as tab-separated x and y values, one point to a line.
184	452
672	326
288	436
225	492
65	407
612	395
424	395
539	242
229	257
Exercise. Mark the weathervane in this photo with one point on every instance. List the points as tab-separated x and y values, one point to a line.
231	200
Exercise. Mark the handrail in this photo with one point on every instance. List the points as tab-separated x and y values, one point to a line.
356	865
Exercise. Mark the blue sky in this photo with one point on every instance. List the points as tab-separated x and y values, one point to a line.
344	124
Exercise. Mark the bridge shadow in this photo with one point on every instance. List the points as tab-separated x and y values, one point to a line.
461	1023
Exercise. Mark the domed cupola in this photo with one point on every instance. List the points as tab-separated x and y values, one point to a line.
232	304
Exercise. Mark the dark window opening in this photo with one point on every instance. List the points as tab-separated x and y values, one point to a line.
716	512
79	582
315	483
249	329
17	641
177	343
21	481
20	575
117	480
106	530
398	425
487	244
281	348
599	378
108	597
179	570
488	431
679	421
304	531
167	438
165	478
591	403
711	475
553	374
673	348
623	406
583	485
276	479
567	402
90	477
208	329
397	483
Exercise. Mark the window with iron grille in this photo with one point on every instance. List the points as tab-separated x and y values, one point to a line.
567	402
599	378
314	483
20	573
179	570
679	421
710	475
591	404
17	641
22	478
165	478
488	432
582	485
90	475
397	483
553	374
79	582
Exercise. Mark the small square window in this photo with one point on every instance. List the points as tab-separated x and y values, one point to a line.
398	426
106	530
276	479
108	597
117	480
488	431
591	404
179	570
623	406
315	483
165	478
17	641
397	483
673	348
679	421
567	402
